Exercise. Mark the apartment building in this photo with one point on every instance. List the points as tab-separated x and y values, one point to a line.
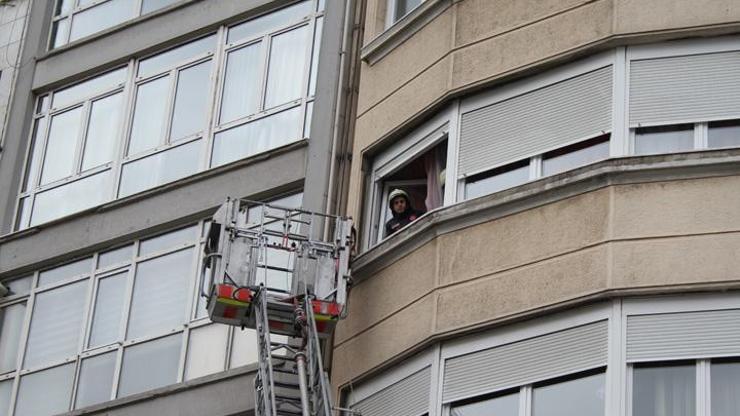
579	165
130	122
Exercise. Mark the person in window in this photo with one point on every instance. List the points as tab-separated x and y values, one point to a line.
403	213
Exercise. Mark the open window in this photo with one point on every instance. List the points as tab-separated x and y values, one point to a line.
415	165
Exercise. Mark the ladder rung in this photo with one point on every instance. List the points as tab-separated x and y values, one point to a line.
282	357
286	385
284	371
288	413
276	268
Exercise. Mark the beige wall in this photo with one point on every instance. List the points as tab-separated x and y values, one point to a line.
645	237
475	43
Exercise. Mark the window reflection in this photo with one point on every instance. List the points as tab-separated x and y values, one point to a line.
724	134
664	139
725	384
664	391
497	180
507	405
582	396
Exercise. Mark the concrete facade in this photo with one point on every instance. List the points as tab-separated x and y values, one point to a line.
302	166
608	232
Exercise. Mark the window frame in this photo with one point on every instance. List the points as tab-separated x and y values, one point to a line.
92	278
25	204
390	12
76	9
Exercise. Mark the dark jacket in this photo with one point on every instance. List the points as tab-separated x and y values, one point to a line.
401	220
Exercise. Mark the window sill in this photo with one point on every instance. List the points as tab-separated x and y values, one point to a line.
618	171
402	30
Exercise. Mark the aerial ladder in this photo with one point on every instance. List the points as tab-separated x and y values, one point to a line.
283	272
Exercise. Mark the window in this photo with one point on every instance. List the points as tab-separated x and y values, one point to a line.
400	8
421	177
550	163
572	395
170	115
664	390
128	316
664	139
77	19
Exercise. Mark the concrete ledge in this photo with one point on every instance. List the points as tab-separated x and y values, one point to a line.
221	394
402	30
628	170
188	199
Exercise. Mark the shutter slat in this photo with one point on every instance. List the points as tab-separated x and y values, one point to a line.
408	397
683	335
685	88
526	361
536	121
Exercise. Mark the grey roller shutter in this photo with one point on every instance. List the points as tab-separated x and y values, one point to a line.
408	397
685	88
537	121
526	361
683	335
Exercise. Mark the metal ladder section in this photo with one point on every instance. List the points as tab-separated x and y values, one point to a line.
291	380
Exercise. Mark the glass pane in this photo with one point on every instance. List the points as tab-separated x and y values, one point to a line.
724	134
96	380
583	396
269	22
163	167
664	139
89	88
160	294
169	240
256	137
664	391
322	5
150	365
59	33
191	101
64	6
574	159
498	406
108	310
116	256
173	57
19	286
6	387
42	104
725	389
56	324
243	347
286	66
242	83
36	398
60	273
101	17
152	5
149	115
102	133
60	150
206	351
405	6
37	148
24	213
315	56
11	324
72	197
496	182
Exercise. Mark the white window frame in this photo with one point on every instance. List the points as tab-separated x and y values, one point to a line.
77	9
389	161
211	128
92	279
